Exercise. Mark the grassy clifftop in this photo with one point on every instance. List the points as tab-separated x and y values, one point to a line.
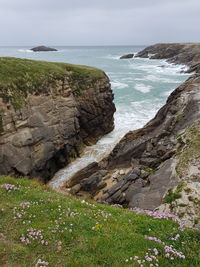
19	77
40	227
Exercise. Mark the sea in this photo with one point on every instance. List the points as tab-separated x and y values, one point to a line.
140	86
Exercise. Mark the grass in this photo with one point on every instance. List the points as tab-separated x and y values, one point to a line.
81	233
171	196
20	77
150	170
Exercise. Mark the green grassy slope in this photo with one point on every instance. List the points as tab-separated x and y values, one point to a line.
40	224
19	77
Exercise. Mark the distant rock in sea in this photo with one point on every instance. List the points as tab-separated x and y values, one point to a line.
43	48
127	56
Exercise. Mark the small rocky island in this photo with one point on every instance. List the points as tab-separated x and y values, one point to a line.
43	48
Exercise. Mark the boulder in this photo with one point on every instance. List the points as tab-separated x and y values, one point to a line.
127	56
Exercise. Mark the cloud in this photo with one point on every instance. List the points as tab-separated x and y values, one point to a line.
98	22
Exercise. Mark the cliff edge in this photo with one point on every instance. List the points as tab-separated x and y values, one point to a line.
48	112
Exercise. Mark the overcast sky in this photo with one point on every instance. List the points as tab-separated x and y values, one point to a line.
98	22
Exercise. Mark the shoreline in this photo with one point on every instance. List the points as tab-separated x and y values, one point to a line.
82	161
146	165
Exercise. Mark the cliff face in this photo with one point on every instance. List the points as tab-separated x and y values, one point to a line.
48	111
156	167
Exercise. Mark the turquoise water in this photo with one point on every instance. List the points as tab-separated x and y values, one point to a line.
140	86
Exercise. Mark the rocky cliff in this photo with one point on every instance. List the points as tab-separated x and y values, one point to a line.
48	111
157	166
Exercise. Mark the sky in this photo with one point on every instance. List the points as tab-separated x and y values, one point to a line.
98	22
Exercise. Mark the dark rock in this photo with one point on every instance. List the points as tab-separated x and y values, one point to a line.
161	150
94	183
131	176
179	53
134	189
141	200
118	198
124	187
168	154
136	171
43	48
150	162
144	174
91	184
83	174
116	187
127	56
143	54
160	182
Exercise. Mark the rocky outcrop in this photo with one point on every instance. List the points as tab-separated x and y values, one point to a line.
127	56
148	166
178	53
43	48
48	112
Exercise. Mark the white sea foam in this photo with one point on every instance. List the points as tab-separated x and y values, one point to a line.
116	57
154	78
118	85
143	88
161	67
25	50
124	122
145	110
166	94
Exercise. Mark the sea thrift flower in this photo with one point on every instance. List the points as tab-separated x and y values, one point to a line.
153	239
160	216
9	187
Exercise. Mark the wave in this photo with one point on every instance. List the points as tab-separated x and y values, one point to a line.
116	57
118	85
154	78
166	94
143	88
25	50
164	67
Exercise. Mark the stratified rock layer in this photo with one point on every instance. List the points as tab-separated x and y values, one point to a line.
48	112
156	167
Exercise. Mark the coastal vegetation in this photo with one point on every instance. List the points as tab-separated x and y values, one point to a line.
40	227
20	77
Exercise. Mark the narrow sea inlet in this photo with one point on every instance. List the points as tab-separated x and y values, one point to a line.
140	86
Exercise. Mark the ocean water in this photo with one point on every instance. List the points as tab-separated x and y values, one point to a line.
140	86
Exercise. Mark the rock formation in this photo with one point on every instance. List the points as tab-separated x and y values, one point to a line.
43	48
156	167
48	112
127	56
178	53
